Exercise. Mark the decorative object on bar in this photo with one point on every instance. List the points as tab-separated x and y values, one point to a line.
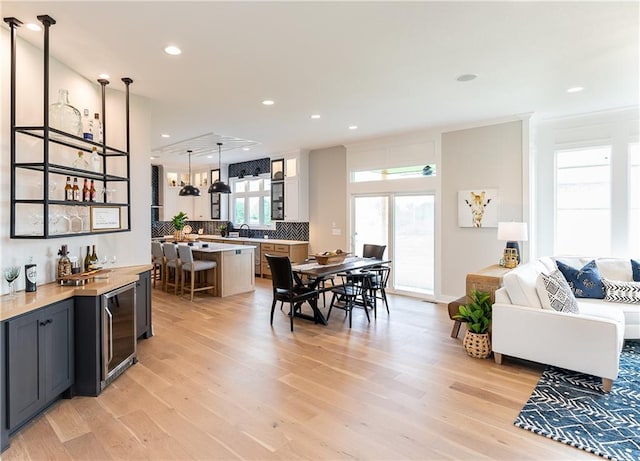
11	273
64	263
179	221
63	116
31	274
512	233
188	189
218	186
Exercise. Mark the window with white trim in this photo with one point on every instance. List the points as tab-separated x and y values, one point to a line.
251	201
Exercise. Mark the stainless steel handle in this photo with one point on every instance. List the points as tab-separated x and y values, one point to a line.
110	333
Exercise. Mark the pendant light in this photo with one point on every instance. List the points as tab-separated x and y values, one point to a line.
189	190
219	187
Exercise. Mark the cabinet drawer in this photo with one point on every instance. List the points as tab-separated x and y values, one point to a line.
268	247
282	249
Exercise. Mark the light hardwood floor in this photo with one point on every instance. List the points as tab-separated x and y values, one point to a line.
216	382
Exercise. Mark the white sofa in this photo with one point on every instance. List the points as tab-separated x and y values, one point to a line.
588	342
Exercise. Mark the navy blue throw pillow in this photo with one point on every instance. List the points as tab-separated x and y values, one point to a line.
635	266
585	282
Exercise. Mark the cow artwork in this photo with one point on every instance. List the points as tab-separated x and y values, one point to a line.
477	208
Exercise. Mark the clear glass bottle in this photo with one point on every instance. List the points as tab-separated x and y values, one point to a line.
96	160
80	162
64	263
86	126
63	116
96	128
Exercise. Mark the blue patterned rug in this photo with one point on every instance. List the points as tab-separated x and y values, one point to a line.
571	408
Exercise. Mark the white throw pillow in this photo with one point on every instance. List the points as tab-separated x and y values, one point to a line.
555	293
618	291
615	269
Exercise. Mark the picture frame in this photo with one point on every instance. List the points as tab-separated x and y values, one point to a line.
478	208
105	218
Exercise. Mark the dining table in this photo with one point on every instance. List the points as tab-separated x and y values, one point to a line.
316	273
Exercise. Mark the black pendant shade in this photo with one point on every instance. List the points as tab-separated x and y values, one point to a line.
188	190
218	186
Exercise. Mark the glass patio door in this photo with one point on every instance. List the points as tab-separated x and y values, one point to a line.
406	224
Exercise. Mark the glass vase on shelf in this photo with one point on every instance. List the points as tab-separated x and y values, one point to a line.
63	116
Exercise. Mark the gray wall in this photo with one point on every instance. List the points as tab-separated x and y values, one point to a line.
328	199
486	157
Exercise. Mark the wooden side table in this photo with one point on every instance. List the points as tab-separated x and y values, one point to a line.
488	280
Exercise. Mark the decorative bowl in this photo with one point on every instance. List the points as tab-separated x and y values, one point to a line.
330	259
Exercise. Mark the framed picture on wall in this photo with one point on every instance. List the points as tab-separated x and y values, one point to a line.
478	208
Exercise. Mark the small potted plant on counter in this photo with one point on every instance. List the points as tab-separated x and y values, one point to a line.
223	230
179	221
477	315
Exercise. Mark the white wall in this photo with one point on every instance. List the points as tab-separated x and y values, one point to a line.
489	157
616	128
129	247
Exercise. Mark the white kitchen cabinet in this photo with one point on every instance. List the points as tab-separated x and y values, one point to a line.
196	208
296	185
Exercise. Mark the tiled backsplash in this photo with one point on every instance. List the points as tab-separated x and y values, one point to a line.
284	230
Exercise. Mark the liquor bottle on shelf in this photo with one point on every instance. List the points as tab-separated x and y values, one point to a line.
92	192
85	191
64	116
87	259
76	190
68	190
96	161
86	126
96	128
80	162
93	264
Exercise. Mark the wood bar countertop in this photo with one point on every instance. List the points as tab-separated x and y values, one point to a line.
50	293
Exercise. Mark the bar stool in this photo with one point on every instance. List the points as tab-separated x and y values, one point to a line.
191	267
172	266
158	261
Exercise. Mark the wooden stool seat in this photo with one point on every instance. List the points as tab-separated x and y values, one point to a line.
453	307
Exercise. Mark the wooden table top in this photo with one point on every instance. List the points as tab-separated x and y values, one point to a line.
319	271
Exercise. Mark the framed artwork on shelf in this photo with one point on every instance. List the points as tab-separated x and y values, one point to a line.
105	218
478	208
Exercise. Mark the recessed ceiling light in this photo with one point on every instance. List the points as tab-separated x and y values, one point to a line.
154	157
353	127
246	148
33	26
105	76
315	116
575	89
209	156
466	77
173	50
164	135
268	102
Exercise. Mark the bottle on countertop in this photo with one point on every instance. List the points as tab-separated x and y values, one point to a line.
76	190
85	191
96	127
94	259
92	192
86	126
31	274
87	259
68	190
64	263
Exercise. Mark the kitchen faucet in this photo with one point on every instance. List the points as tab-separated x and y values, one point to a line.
240	229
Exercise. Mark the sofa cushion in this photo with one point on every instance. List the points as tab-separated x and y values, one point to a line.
615	269
585	282
635	268
521	284
555	293
621	292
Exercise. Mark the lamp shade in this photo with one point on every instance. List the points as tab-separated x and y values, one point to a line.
189	190
513	231
218	187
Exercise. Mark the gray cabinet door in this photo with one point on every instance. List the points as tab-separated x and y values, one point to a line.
25	394
40	360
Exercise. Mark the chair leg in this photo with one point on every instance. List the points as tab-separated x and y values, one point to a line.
333	299
193	279
182	286
291	313
384	297
273	308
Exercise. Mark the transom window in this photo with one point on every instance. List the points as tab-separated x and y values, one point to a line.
251	201
387	174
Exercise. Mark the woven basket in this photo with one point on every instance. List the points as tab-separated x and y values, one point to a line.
178	236
477	345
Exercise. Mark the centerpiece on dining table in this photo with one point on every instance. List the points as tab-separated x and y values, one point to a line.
331	257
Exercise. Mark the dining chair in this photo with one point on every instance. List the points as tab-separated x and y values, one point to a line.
158	261
172	266
192	268
373	251
377	285
285	289
346	295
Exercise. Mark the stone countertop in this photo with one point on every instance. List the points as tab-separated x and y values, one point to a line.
50	293
253	240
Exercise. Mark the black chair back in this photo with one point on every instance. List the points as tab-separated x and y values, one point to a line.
373	251
281	274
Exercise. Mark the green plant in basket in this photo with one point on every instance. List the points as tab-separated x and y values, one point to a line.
477	313
179	220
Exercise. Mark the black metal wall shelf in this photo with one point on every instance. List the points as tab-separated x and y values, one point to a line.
53	136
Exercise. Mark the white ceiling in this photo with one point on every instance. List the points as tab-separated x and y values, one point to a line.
385	67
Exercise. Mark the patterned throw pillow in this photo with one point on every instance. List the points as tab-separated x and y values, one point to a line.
585	282
635	267
621	292
559	294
